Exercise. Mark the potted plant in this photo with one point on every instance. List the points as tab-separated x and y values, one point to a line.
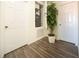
52	13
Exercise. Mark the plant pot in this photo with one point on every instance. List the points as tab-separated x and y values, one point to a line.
51	39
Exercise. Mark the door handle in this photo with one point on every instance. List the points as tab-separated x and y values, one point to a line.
6	27
60	24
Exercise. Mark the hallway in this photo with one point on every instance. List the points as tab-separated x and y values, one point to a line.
25	24
43	49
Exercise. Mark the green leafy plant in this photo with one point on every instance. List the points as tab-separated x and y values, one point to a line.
52	13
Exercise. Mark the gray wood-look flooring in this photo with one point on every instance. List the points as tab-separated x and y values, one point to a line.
43	49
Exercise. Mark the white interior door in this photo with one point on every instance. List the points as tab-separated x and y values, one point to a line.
15	24
67	25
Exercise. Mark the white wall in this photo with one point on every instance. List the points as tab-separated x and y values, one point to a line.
0	30
40	31
18	12
1	33
78	23
78	28
1	52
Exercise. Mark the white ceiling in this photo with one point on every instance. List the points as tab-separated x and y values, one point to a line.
62	2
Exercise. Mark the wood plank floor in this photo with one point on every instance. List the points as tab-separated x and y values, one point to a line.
43	49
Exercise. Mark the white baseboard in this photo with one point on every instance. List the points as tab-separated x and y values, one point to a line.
37	39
